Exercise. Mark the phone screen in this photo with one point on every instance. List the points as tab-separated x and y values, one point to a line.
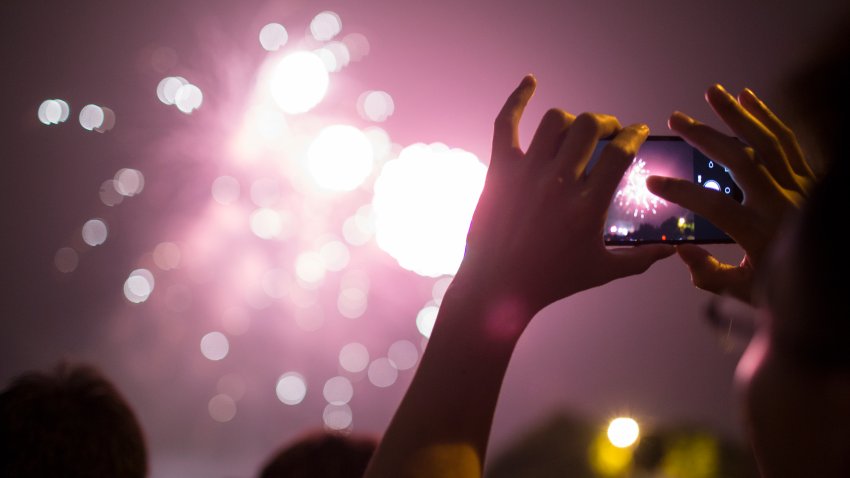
636	216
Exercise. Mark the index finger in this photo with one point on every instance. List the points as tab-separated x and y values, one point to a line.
506	127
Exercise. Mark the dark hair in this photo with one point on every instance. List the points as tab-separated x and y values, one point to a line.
321	455
72	423
820	95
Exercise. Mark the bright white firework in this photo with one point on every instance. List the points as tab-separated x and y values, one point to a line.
423	205
299	82
340	158
634	197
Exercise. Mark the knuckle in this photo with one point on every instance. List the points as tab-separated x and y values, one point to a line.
589	122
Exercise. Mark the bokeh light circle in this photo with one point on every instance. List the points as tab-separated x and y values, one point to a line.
273	36
623	432
291	388
222	408
53	111
375	105
340	158
225	190
325	26
403	354
337	417
338	390
94	232
129	182
139	286
188	98
423	205
91	117
299	82
425	320
382	373
354	357
215	346
167	89
66	260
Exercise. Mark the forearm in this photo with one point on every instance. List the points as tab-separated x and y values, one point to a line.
442	426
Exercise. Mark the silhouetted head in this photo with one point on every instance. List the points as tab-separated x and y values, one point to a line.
321	455
70	422
795	374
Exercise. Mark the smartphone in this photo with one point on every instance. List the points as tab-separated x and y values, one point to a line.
636	216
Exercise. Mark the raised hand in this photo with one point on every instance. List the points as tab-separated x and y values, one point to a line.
765	160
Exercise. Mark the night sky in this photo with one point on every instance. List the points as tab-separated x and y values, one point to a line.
287	274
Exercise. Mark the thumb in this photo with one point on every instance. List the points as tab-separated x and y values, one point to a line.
636	260
709	274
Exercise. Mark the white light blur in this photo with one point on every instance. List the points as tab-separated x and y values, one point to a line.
403	354
299	82
231	385
66	260
108	120
167	89
273	36
271	224
129	182
338	390
309	267
357	45
276	283
166	256
423	205
215	346
382	373
222	408
291	388
623	432
337	417
425	320
53	111
235	321
354	357
94	232
91	117
109	195
335	56
375	105
225	190
188	98
335	255
340	158
352	303
380	139
139	286
325	26
438	290
265	192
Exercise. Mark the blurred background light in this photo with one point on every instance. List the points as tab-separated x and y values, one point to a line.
338	390
108	193
53	111
423	203
66	260
94	232
403	354
337	417
166	255
325	26
225	190
215	346
382	373
375	105
299	82
623	432
354	357
425	320
188	98
340	158
273	36
129	182
222	408
291	388
168	87
139	286
91	117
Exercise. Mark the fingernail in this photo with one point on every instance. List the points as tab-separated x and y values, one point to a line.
680	121
643	128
